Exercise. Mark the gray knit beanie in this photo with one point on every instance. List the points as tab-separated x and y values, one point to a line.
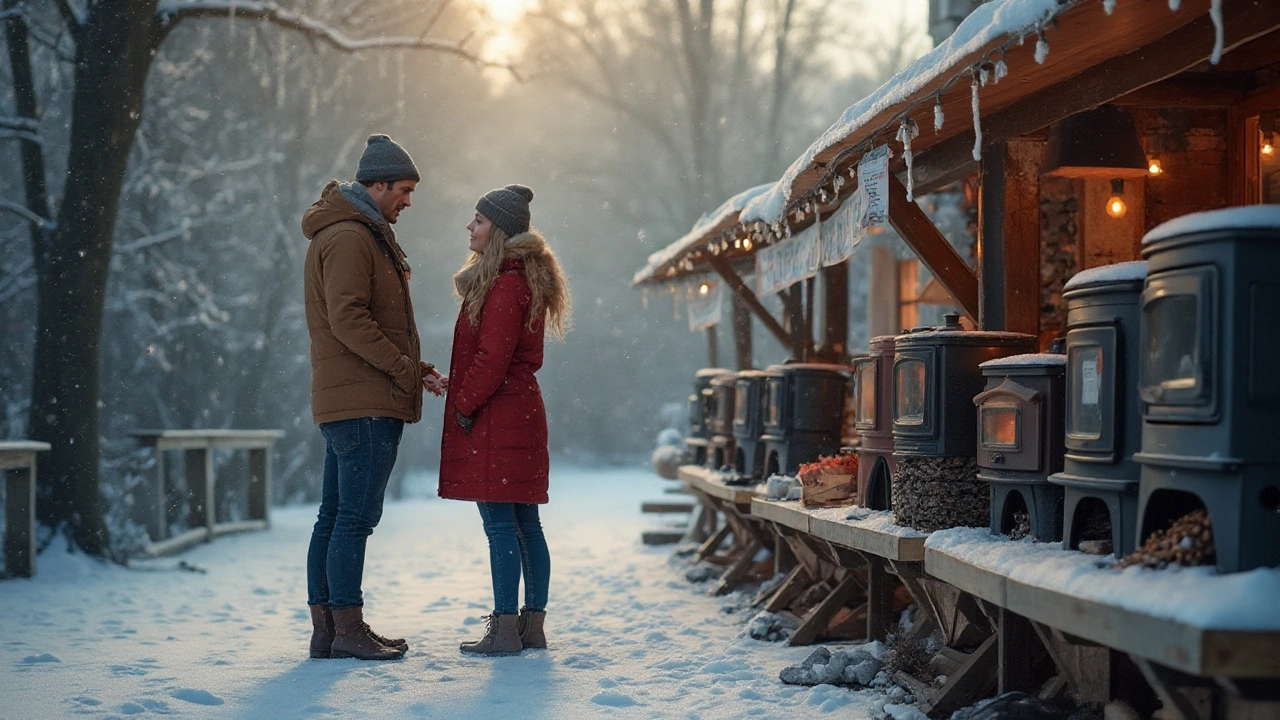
508	208
385	161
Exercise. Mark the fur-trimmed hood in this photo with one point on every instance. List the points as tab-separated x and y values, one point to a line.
541	268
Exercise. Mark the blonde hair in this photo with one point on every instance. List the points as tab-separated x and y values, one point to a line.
551	302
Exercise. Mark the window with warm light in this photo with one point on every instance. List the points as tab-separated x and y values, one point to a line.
1000	425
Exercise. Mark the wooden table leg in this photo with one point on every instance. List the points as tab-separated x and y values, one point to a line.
739	569
794	584
816	620
260	484
20	520
200	490
1019	652
880	585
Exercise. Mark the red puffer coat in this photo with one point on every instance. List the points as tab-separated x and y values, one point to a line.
504	456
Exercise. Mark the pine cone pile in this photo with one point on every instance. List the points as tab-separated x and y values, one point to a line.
1188	542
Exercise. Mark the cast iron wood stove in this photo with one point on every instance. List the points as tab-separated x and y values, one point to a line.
805	408
1209	381
935	376
874	380
1020	420
1099	475
699	409
722	397
748	424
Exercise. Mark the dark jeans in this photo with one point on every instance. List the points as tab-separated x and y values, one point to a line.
358	457
515	543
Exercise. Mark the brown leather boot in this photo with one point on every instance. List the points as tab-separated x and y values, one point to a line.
321	631
351	638
501	637
397	643
531	634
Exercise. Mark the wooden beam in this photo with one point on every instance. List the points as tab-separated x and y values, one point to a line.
1009	237
740	290
741	335
952	159
933	249
1190	90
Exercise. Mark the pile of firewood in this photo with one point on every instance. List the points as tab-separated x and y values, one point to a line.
1188	541
935	493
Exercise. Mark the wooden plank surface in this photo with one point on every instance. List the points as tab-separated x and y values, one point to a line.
885	545
27	445
701	480
983	583
784	512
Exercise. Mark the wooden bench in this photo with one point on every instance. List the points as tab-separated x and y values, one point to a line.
198	446
18	460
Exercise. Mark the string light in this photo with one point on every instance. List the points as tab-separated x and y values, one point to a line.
1115	204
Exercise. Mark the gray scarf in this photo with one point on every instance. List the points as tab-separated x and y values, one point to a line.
358	195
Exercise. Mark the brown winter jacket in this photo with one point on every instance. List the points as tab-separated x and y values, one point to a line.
364	343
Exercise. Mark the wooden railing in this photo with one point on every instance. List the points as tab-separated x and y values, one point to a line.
18	461
201	485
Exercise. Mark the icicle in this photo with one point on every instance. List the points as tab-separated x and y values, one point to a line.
837	183
1109	6
822	194
982	74
1001	69
853	173
977	121
907	132
1175	4
938	117
1042	49
1215	13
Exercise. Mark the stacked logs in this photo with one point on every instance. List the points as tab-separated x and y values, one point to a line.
935	493
1188	541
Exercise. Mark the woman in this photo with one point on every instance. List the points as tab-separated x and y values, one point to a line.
494	448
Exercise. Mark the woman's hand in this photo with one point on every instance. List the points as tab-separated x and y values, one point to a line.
432	381
463	421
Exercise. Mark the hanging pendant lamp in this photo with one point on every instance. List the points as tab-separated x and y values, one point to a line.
1098	143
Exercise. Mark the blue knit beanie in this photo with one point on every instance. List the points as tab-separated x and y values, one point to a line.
508	208
385	161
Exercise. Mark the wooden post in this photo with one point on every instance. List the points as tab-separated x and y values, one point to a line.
1009	237
160	513
20	520
795	321
742	334
1019	650
835	331
882	316
809	312
200	489
879	599
260	484
713	348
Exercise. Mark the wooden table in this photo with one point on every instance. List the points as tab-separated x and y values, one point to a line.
733	503
1081	636
201	483
18	460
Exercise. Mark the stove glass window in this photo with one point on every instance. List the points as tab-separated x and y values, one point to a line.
909	382
867	394
1177	334
774	415
1084	418
1000	425
740	404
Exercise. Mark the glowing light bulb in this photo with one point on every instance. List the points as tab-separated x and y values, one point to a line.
1154	167
1115	204
746	244
704	288
1268	146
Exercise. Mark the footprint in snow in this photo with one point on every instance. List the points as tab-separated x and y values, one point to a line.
613	699
196	697
41	658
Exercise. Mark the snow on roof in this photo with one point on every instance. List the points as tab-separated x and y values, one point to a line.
704	225
1120	272
1234	218
985	24
1198	597
1028	359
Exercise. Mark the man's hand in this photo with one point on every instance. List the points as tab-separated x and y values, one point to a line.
432	381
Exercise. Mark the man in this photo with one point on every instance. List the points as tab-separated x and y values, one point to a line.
366	383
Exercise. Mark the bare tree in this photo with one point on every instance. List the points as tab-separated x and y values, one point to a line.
111	45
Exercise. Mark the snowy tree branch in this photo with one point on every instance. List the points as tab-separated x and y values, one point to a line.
175	10
17	209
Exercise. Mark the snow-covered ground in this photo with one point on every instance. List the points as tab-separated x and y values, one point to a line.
629	636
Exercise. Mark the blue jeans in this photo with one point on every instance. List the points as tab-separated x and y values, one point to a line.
515	543
358	457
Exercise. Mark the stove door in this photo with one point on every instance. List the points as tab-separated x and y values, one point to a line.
1094	393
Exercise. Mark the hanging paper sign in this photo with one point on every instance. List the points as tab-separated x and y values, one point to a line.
842	232
792	260
704	298
873	180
